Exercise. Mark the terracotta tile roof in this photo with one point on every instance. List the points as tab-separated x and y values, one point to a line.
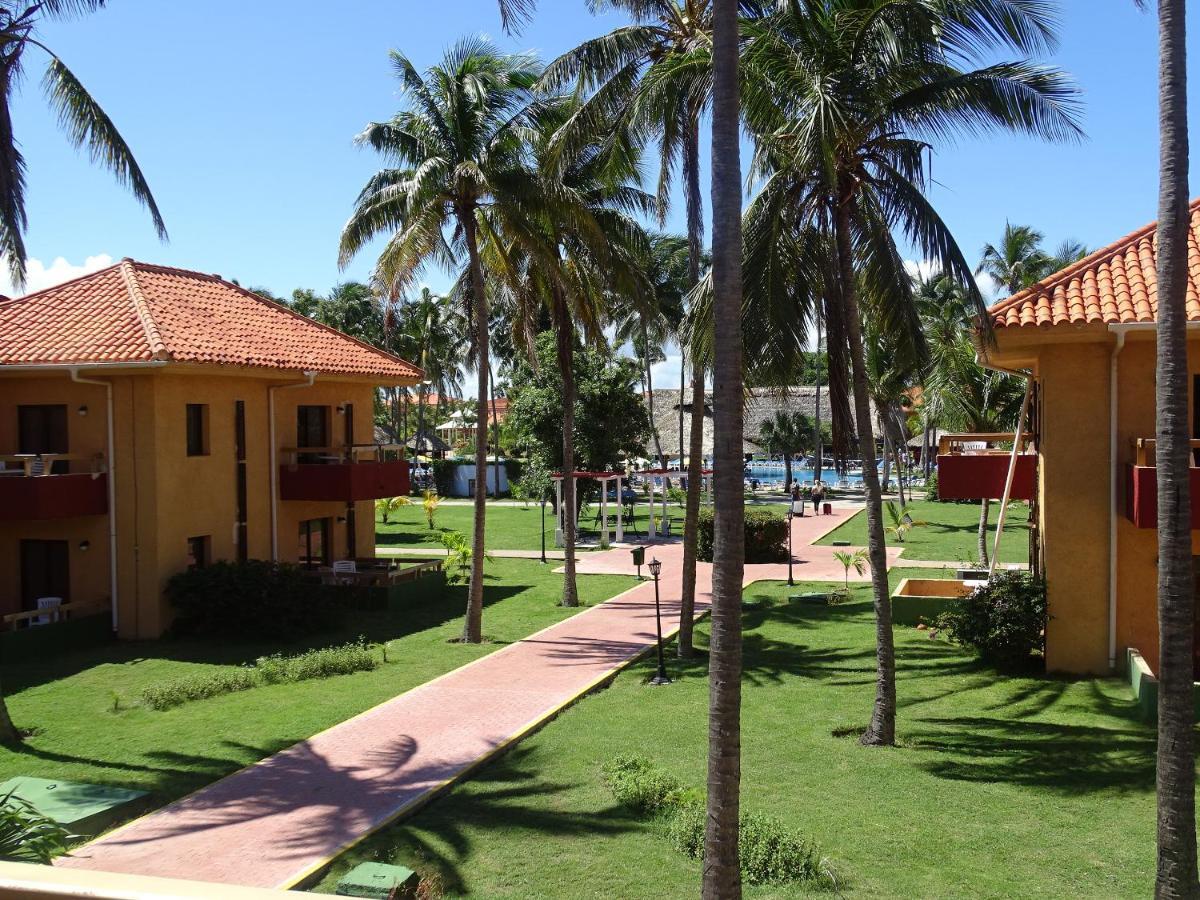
135	312
1117	284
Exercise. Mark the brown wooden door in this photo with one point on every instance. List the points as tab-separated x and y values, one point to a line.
312	430
45	572
42	428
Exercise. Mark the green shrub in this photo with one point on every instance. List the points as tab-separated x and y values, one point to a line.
770	852
638	786
27	835
931	488
251	601
201	687
765	531
323	663
1003	620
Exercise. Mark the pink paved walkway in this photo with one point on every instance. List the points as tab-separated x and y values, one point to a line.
276	822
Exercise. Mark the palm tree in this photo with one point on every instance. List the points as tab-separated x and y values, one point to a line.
456	146
647	326
81	117
844	138
722	871
570	250
1176	772
1019	260
787	433
430	329
653	79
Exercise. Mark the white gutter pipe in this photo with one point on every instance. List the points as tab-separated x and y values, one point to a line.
112	488
1114	509
273	452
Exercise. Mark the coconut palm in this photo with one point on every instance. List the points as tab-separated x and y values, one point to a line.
652	78
570	250
1018	261
788	433
430	329
648	325
457	150
81	117
845	136
1176	773
722	872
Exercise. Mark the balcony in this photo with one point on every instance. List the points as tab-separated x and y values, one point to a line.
971	467
31	489
1141	486
343	474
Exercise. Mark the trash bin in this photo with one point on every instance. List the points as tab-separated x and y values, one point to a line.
639	558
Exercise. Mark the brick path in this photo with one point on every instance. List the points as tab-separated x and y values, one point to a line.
276	822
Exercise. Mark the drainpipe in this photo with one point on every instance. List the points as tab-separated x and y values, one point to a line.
1114	500
112	489
272	454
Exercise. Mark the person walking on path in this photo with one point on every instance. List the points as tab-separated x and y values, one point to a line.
818	495
797	500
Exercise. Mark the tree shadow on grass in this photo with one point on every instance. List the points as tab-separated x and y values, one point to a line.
1059	757
508	795
376	625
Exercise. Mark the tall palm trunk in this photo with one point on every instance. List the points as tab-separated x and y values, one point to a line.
8	731
1176	773
495	435
404	437
984	510
787	470
650	399
565	347
722	872
817	440
882	729
682	389
473	624
691	514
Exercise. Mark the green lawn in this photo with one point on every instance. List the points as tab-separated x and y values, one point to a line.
1002	786
69	700
508	527
952	533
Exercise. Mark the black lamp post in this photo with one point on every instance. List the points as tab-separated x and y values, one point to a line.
790	515
660	677
543	527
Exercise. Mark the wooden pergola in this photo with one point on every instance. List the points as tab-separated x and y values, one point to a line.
664	474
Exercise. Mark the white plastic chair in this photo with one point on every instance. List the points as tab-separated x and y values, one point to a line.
50	606
343	569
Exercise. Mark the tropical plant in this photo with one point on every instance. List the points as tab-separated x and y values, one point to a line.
27	835
1019	261
843	142
457	152
385	506
787	433
1176	771
652	79
460	554
722	865
429	503
1003	620
901	520
857	561
86	124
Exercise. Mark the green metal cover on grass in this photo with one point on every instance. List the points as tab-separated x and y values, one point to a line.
376	880
84	809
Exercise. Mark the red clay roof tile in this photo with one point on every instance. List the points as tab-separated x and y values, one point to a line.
1114	285
134	311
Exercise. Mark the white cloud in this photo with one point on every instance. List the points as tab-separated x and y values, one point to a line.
665	374
39	276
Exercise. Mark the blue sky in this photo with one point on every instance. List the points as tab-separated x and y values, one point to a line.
242	115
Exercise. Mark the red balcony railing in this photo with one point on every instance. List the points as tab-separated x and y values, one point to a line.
31	489
1141	486
345	474
971	467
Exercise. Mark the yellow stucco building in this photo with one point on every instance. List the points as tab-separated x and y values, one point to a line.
1087	337
153	419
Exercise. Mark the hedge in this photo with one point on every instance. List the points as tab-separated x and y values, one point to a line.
766	535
